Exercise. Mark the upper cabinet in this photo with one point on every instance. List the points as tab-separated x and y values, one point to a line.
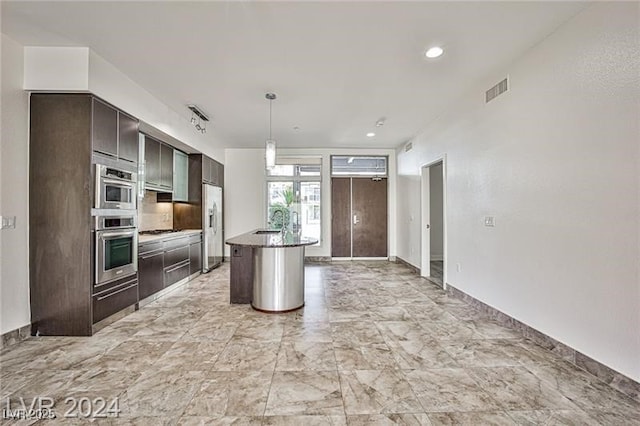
113	132
180	176
212	171
158	159
127	138
105	128
203	169
166	166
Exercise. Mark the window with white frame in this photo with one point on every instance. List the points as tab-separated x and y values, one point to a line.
294	196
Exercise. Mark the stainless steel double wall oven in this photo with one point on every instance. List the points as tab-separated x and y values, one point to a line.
116	227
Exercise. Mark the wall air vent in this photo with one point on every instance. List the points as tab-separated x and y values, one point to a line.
496	90
408	147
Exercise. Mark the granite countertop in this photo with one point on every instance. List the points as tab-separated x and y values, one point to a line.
277	239
142	239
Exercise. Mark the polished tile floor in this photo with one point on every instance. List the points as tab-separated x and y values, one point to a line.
375	344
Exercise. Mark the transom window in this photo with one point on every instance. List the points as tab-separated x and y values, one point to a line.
345	165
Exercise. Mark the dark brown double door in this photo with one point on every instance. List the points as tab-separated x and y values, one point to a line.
358	217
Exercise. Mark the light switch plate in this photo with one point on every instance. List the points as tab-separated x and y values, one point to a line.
489	221
8	222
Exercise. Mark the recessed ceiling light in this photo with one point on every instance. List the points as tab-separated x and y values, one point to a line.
434	52
370	134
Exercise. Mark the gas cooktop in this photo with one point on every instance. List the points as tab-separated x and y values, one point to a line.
159	231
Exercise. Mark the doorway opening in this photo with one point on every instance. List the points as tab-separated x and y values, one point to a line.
433	204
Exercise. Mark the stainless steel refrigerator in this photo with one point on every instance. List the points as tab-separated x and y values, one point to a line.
213	244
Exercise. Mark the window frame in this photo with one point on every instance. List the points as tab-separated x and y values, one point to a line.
385	157
295	179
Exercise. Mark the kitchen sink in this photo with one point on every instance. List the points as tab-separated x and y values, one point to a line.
268	231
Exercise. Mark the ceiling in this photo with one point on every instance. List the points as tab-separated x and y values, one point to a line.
337	67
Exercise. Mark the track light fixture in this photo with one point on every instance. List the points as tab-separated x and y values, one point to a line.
200	123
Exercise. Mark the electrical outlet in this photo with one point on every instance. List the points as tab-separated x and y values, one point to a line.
489	221
8	222
458	267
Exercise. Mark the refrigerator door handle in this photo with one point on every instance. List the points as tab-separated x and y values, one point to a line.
215	219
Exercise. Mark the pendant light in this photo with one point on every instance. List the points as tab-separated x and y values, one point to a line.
270	146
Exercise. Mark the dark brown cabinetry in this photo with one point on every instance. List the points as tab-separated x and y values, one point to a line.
127	138
113	132
150	268
212	171
104	131
158	159
152	162
241	284
176	260
203	169
66	132
114	297
163	263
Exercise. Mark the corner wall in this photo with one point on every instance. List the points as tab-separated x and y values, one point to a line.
14	193
556	161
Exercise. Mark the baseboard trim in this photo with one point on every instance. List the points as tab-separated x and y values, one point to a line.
13	337
414	269
616	380
318	258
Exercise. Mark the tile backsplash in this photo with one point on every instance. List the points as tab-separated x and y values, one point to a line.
153	215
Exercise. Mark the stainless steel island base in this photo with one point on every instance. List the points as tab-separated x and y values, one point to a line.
278	278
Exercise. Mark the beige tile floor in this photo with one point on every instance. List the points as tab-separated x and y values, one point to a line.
375	344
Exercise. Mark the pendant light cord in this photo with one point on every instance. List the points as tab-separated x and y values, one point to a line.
270	112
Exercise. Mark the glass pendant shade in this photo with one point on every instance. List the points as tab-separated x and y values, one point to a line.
270	153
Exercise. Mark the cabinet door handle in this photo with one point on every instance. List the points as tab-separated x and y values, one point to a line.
151	254
119	285
178	266
116	292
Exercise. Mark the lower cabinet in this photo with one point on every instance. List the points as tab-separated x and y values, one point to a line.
114	297
195	257
176	273
176	260
150	269
164	263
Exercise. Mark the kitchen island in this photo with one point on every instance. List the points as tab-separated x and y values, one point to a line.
267	269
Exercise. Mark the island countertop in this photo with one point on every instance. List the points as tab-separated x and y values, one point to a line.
270	238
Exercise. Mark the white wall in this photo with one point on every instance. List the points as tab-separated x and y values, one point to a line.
80	69
435	215
244	192
14	178
408	214
245	174
556	161
112	85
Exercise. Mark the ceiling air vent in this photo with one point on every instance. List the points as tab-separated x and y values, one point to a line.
496	90
408	147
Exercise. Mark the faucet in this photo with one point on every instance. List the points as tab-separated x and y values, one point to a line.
273	215
295	226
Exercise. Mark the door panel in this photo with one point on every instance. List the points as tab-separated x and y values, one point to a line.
166	166
127	138
105	128
340	217
369	198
